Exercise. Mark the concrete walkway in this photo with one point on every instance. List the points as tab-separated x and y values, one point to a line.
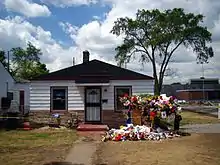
202	128
84	149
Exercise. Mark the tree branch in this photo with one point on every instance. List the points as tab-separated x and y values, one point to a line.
170	55
165	57
142	45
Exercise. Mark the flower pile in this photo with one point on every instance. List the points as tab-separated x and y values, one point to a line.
162	106
152	109
134	133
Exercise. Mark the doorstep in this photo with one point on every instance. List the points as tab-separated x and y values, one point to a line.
92	127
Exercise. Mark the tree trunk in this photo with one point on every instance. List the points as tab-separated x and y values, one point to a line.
160	83
156	86
156	82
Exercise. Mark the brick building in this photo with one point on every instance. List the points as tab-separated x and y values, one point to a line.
200	89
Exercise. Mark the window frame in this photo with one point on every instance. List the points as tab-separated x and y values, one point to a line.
66	98
115	96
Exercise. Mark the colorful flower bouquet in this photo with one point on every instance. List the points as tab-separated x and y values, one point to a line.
150	108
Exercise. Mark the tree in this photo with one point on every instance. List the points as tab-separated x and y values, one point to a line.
3	58
155	36
26	62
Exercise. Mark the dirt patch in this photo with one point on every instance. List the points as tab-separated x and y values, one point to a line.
202	149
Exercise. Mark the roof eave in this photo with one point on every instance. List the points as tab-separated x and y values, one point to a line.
65	79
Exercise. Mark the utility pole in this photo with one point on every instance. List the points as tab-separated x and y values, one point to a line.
8	62
125	65
203	83
73	61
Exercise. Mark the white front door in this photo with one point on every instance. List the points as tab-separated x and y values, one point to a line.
93	104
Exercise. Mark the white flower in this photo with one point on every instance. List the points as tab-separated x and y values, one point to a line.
179	109
127	103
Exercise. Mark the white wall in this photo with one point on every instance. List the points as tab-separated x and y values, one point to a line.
138	87
26	88
5	77
40	93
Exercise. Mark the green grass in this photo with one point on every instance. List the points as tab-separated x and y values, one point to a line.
196	118
34	147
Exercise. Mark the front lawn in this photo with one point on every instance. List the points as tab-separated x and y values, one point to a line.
196	118
197	149
35	147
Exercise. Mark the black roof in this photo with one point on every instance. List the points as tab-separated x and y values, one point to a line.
93	71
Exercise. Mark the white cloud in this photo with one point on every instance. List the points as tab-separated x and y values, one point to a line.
15	32
27	8
69	29
95	17
69	3
95	35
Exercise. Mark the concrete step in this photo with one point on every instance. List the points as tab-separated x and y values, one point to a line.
92	127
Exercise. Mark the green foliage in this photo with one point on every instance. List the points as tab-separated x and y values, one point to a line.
156	34
26	62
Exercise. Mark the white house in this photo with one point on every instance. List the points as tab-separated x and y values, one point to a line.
18	91
92	89
6	81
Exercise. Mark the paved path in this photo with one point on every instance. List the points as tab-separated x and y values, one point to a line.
82	152
202	128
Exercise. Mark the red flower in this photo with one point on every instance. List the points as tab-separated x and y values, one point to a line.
118	137
152	114
125	95
134	99
161	98
173	109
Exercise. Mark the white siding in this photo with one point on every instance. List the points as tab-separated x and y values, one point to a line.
40	95
26	88
138	87
6	78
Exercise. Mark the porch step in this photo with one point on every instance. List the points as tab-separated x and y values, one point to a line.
92	127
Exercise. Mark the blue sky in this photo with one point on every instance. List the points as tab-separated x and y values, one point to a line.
75	15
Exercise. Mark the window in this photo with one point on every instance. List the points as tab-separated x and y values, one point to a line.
58	98
119	92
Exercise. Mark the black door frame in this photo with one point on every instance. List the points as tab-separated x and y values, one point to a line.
87	105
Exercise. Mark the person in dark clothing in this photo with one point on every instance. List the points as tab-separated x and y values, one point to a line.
177	120
129	121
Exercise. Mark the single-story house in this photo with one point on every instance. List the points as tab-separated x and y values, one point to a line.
91	88
17	91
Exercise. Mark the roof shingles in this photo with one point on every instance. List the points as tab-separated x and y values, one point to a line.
94	69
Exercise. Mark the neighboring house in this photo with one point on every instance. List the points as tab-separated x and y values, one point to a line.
201	89
17	91
170	90
92	89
